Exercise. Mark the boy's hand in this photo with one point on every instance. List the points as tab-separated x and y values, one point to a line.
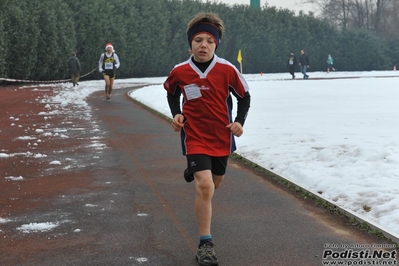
236	129
178	122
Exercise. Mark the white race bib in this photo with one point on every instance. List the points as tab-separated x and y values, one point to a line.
109	66
192	91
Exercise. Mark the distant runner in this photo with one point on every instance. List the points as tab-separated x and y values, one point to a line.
107	65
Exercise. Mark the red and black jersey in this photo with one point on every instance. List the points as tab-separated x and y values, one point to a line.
207	104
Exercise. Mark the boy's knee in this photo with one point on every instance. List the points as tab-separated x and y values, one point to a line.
206	188
217	180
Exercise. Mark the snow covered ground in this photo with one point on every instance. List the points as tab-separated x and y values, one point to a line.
336	136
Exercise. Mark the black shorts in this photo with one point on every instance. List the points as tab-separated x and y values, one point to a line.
111	75
199	162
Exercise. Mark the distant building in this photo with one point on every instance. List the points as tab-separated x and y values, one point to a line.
255	3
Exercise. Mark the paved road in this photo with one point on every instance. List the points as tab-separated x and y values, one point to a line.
131	206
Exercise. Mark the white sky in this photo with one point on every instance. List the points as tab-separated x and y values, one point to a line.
294	5
338	137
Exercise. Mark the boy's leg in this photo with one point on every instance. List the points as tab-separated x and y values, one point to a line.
217	180
208	175
205	184
205	189
219	166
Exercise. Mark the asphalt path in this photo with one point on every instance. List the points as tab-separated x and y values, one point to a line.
136	209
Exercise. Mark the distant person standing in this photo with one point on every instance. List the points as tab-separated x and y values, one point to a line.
304	63
330	63
291	64
107	65
74	68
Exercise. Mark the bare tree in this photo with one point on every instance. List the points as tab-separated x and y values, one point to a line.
380	16
389	25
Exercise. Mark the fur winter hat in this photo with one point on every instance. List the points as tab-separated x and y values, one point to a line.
109	45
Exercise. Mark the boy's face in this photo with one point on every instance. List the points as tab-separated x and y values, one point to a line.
203	47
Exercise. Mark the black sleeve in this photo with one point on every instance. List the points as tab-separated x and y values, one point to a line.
242	107
174	102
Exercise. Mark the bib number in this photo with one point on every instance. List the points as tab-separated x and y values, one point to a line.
192	91
109	66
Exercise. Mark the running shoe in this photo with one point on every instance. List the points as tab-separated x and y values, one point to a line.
206	255
189	177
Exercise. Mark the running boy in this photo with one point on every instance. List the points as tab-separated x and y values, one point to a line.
205	120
